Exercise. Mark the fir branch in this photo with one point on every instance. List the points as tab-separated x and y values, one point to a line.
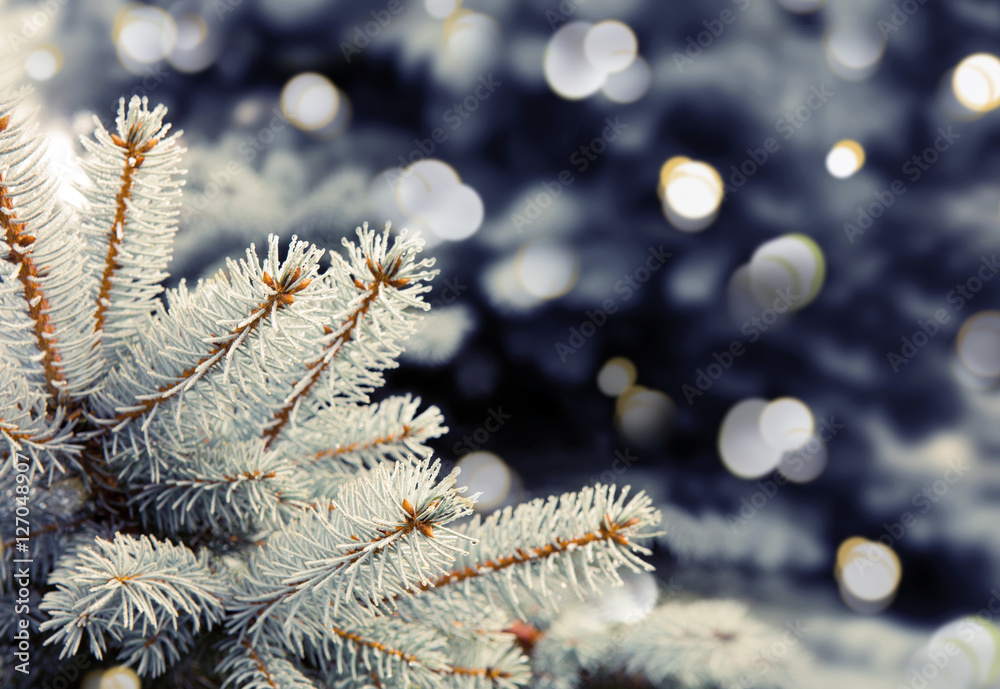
575	540
382	531
229	487
19	240
577	641
27	428
399	654
112	586
281	296
251	668
40	248
493	660
385	281
233	410
27	272
135	151
130	218
366	435
169	367
152	652
705	643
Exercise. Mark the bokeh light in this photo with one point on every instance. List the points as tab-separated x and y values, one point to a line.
853	51
119	678
691	192
43	63
312	103
786	424
958	673
845	158
976	82
805	463
485	473
431	193
196	47
473	39
383	200
869	573
440	9
616	376
644	416
547	268
504	288
740	300
610	46
629	85
582	58
844	553
143	34
567	70
787	273
629	603
743	450
977	662
978	345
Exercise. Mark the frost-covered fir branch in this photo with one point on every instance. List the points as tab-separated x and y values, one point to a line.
44	343
694	644
216	499
130	584
129	220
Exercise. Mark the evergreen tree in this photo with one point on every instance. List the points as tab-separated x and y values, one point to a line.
199	486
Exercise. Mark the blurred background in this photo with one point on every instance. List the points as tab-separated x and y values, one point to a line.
736	253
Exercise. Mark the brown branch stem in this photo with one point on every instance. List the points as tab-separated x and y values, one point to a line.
29	275
608	532
134	157
380	277
281	298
